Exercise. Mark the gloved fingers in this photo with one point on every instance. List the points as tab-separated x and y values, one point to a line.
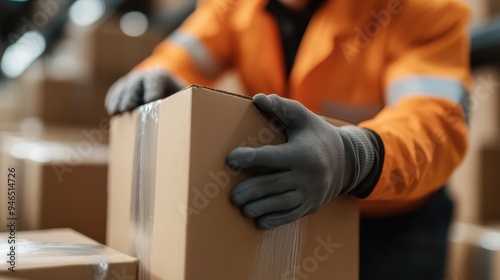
154	82
274	220
114	96
286	112
132	93
283	202
174	85
259	187
159	84
278	157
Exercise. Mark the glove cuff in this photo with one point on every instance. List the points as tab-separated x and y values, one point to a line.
360	155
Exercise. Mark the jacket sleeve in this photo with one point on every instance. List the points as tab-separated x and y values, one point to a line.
201	49
424	124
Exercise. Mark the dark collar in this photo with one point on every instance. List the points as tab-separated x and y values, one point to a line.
275	7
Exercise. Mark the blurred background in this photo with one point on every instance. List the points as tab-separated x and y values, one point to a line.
59	57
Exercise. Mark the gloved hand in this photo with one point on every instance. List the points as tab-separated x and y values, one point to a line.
317	163
141	87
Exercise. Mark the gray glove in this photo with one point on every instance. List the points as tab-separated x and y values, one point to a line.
141	87
317	163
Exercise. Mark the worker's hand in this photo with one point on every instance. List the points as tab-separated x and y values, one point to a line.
141	87
317	163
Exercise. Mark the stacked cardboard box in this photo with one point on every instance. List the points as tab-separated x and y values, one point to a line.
489	199
68	87
483	10
474	252
61	254
475	184
60	163
59	101
472	183
114	54
8	109
59	180
168	169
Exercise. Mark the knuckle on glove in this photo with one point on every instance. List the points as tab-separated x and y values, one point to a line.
252	211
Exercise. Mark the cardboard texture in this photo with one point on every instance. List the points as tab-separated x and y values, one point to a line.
9	92
470	186
61	101
58	183
497	99
483	10
474	252
120	178
62	254
114	53
196	232
489	182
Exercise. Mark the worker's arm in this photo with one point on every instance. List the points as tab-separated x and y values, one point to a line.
197	53
406	152
424	126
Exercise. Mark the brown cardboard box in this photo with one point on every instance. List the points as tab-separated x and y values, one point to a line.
489	197
114	53
497	99
120	178
62	254
468	183
483	10
183	225
8	102
57	183
61	101
474	252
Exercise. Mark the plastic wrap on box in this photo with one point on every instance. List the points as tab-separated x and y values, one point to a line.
61	254
143	192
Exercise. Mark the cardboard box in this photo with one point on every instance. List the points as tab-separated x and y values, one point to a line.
467	183
61	101
114	53
8	102
120	181
474	252
62	254
183	224
489	199
483	10
57	183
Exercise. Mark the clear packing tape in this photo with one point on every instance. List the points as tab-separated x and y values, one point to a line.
43	254
143	191
279	252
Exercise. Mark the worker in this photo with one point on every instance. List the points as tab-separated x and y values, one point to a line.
399	69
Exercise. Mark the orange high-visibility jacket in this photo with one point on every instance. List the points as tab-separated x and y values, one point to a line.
399	67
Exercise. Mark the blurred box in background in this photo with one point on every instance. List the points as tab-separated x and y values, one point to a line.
59	183
114	53
489	176
62	102
63	254
483	10
68	87
9	112
474	252
65	100
473	184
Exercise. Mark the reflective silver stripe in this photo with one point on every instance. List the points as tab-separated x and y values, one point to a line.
205	62
449	89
